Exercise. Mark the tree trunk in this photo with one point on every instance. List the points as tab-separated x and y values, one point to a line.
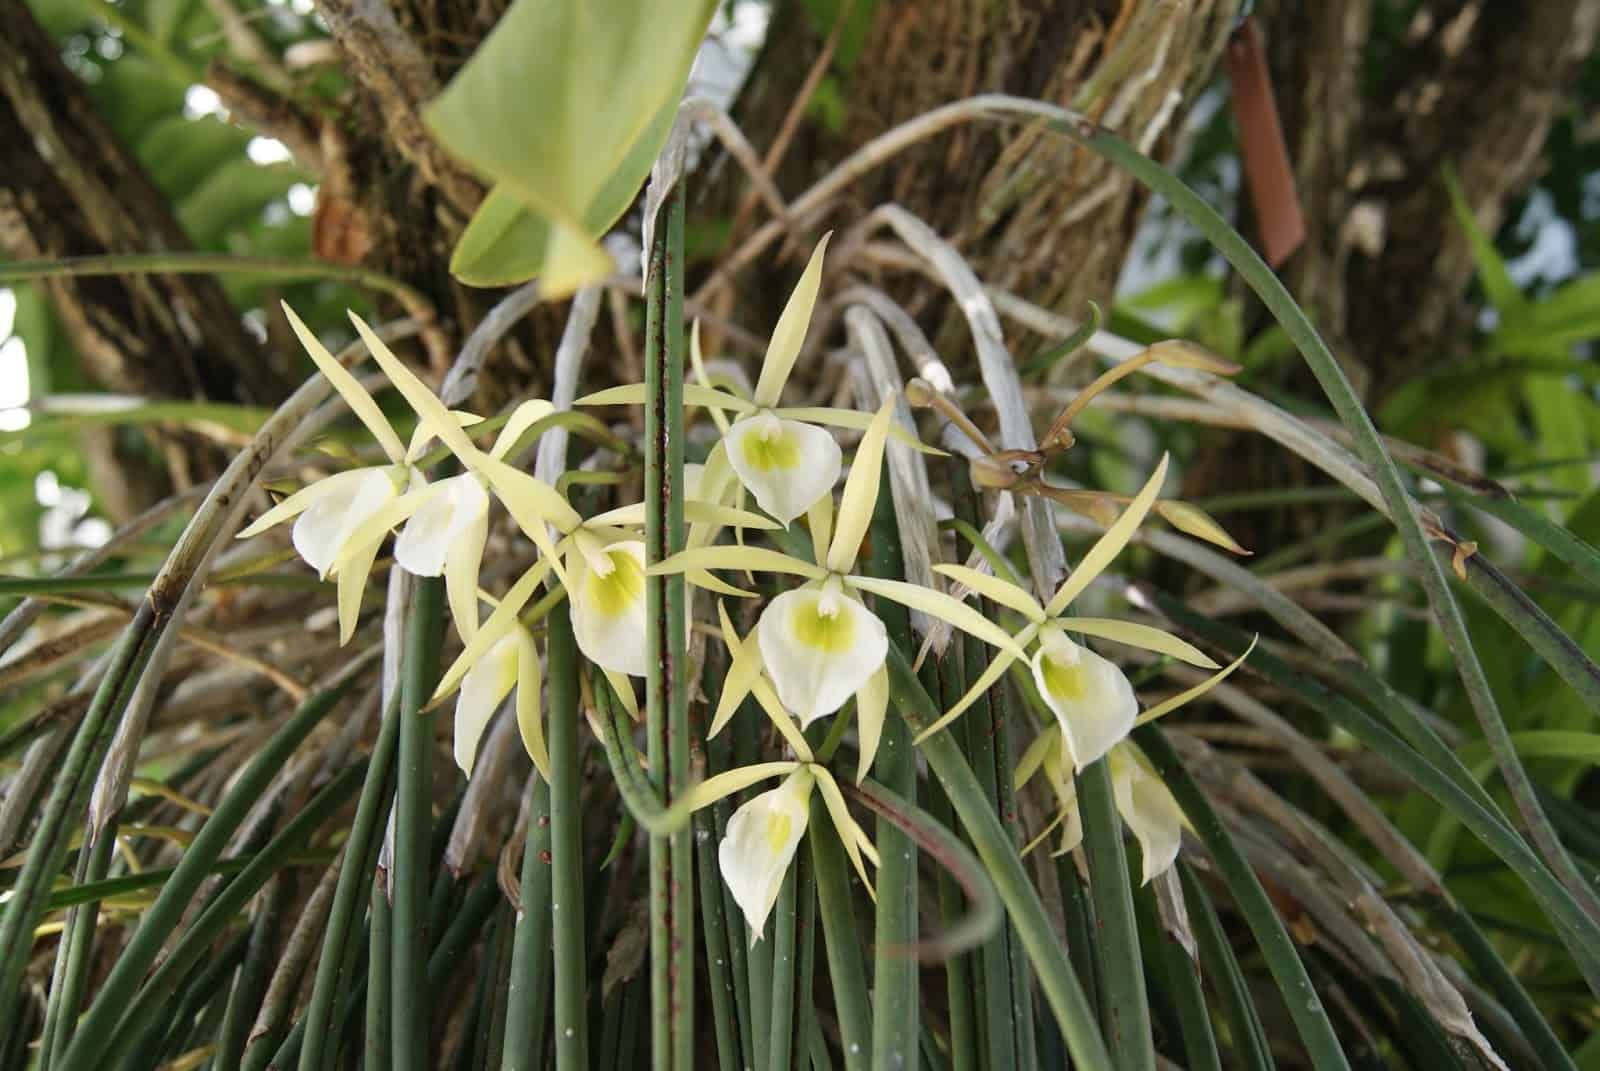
1473	86
70	188
1030	212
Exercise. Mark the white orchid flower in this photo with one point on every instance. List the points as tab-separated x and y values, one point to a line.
1145	803
1091	698
819	644
446	523
1088	695
764	833
760	842
779	454
513	662
333	532
1148	809
607	593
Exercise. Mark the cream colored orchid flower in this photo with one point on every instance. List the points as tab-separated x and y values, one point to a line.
779	453
334	530
759	844
513	662
1145	803
1090	697
765	831
819	644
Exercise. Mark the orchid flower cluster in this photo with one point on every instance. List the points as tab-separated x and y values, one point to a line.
814	647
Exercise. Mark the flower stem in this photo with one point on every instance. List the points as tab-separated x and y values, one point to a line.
780	1034
413	822
667	721
523	1048
894	977
845	972
566	847
337	962
1124	1009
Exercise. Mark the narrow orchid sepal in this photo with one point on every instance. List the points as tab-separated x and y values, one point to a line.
1109	545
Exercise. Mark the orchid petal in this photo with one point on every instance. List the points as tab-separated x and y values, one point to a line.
872	708
710	482
702	579
422	435
759	845
1169	705
1090	697
697	361
531	502
1034	757
996	668
530	682
744	666
725	784
622	688
325	528
851	835
461	564
790	334
860	496
1110	544
630	516
819	519
300	501
1136	635
693	394
349	388
944	607
786	465
819	649
751	559
697	512
486	684
608	616
429	409
457	510
854	420
1150	811
499	624
744	676
381	522
523	417
995	589
352	582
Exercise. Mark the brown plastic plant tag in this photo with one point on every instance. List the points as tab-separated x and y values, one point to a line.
1261	147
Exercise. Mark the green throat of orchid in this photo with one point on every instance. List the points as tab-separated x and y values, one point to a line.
820	626
618	589
771	447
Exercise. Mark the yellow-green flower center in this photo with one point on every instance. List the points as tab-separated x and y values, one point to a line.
616	592
778	827
771	447
833	633
1065	681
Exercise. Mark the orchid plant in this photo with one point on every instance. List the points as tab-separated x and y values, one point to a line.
814	646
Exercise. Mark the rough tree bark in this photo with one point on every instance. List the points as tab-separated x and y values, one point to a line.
69	188
1475	86
1030	212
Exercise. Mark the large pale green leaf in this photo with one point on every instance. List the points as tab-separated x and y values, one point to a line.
180	154
564	108
507	241
232	195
